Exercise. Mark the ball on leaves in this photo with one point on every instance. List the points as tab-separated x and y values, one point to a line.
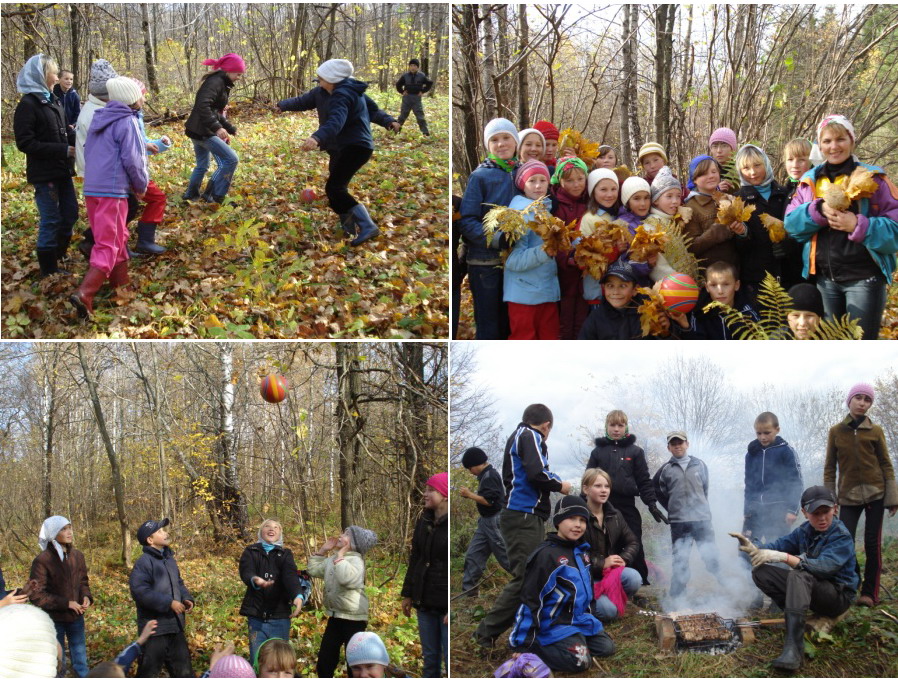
273	388
308	195
680	292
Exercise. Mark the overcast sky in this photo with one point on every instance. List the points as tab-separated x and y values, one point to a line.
572	378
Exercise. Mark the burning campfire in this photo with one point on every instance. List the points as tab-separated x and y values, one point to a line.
702	633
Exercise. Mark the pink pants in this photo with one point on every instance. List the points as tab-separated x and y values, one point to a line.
107	221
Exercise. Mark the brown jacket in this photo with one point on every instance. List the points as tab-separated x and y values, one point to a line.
615	537
865	470
59	583
711	242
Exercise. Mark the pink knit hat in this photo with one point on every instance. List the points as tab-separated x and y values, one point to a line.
440	483
724	134
232	666
859	388
527	170
229	63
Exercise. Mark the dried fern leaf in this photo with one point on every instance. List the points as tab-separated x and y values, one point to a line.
775	228
677	253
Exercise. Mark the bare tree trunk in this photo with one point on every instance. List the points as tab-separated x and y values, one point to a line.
349	424
490	96
523	89
631	69
75	31
627	72
229	496
665	15
117	485
148	49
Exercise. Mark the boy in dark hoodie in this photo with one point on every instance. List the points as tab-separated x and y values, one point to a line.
345	114
617	453
555	619
721	285
160	595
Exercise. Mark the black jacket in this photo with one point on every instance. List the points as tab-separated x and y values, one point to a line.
207	118
615	537
276	601
413	83
710	324
155	582
757	254
626	465
427	579
42	135
491	488
606	322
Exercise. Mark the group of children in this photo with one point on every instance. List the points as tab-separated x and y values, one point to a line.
568	584
842	259
276	591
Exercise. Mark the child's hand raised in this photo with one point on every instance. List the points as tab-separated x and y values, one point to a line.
148	630
328	545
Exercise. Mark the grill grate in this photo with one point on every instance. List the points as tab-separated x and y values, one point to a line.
705	633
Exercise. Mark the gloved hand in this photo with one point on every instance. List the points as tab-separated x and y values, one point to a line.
762	556
657	514
745	545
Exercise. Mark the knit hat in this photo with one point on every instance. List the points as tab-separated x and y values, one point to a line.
568	506
527	170
621	269
440	483
549	131
768	168
27	642
497	125
473	457
101	71
532	130
414	62
724	134
841	120
806	297
231	666
859	388
563	163
335	70
362	538
229	63
631	186
664	181
693	164
596	176
147	528
141	85
365	648
123	89
651	147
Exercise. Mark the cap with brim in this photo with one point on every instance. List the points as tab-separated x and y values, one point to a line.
147	528
817	496
677	434
620	269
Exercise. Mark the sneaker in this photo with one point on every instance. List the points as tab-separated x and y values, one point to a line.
864	600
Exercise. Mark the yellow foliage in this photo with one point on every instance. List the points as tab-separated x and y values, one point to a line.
731	210
505	220
586	150
774	227
647	242
860	184
653	319
593	254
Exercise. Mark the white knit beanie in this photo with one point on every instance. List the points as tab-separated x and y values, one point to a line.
27	642
335	70
124	90
631	186
497	125
598	175
522	135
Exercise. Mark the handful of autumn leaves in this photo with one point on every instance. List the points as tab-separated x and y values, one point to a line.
731	210
860	184
514	224
598	249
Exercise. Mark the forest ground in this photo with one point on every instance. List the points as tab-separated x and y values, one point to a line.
210	572
862	644
264	264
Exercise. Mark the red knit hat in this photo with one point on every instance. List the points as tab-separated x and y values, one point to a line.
548	129
440	483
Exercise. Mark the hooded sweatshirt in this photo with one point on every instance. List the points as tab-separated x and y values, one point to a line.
117	152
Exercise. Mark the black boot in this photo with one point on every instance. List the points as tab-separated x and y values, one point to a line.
62	248
87	243
146	239
793	651
46	257
347	222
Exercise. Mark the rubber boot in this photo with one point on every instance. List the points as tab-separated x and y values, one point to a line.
367	228
347	222
87	243
146	239
83	297
792	656
118	277
46	257
62	248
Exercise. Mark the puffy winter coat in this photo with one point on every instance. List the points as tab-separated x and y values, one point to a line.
525	472
155	582
626	465
556	596
275	601
488	185
772	476
683	492
42	135
865	469
59	582
344	116
207	116
530	276
606	322
344	585
116	153
427	579
614	537
711	242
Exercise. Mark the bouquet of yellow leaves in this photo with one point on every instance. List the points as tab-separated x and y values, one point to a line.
503	219
731	210
775	228
860	184
653	318
593	254
555	233
623	173
647	242
586	150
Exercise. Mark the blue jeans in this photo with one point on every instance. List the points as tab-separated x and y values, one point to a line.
226	159
57	206
77	645
490	312
434	641
631	580
262	630
864	300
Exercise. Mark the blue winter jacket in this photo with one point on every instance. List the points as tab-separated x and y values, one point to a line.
556	597
71	103
115	153
530	276
772	476
525	472
488	185
155	582
344	116
828	555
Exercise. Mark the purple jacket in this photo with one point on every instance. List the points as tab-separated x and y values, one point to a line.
640	268
115	153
